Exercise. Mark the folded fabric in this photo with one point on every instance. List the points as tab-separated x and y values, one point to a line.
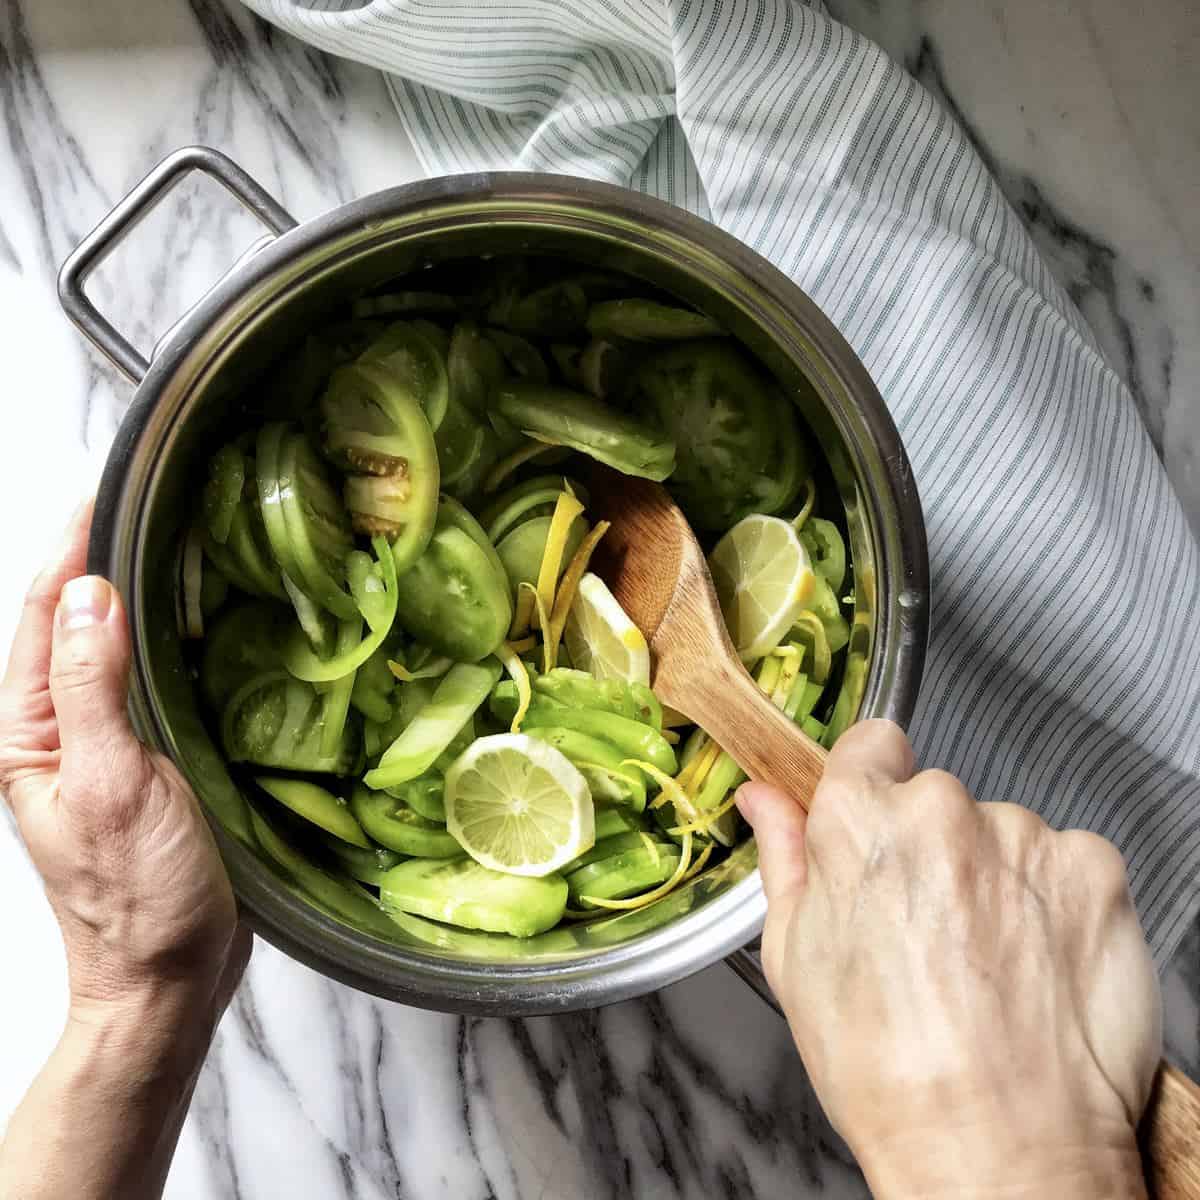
1064	664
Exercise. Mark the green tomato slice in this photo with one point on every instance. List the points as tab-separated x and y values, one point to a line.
825	545
602	765
631	738
393	824
523	501
316	527
338	897
243	642
366	865
273	720
739	448
223	491
375	425
377	606
315	804
521	551
453	703
454	599
626	874
567	418
425	796
648	321
474	365
461	892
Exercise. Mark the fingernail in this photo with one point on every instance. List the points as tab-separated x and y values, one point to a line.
84	602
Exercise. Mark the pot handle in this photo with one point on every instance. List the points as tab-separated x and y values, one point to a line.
1170	1128
114	227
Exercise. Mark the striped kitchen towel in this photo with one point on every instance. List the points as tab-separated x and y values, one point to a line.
1064	666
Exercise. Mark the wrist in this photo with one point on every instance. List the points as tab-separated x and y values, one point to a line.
957	1165
147	1043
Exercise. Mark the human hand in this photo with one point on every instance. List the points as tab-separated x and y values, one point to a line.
129	864
970	991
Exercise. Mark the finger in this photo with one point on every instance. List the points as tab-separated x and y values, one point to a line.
874	752
778	823
89	671
29	655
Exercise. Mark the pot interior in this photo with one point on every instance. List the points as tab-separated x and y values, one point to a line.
211	379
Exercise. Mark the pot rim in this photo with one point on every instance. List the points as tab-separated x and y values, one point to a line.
688	943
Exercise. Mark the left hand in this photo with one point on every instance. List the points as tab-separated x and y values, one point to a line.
129	864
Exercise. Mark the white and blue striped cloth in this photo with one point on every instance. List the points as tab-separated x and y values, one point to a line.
1064	666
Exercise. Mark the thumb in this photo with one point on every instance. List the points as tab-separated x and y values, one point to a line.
89	668
779	824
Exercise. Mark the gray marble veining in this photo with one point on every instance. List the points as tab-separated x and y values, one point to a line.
314	1090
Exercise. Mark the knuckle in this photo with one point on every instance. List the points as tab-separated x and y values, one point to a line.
940	785
1097	862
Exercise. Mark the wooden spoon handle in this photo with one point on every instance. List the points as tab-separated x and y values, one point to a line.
1170	1134
770	747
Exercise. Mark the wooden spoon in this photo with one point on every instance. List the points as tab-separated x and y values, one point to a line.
651	561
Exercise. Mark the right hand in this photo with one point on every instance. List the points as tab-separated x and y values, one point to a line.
970	990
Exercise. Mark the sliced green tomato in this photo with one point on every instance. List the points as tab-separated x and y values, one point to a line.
738	443
470	484
454	599
243	642
578	689
214	588
317	525
616	818
366	865
566	418
566	358
452	513
315	804
648	321
273	720
614	844
246	558
267	452
337	694
426	796
522	550
534	497
374	686
375	424
605	368
223	491
458	694
338	897
415	361
631	738
474	365
319	626
600	763
827	549
623	875
461	892
556	310
522	356
298	655
394	825
392	303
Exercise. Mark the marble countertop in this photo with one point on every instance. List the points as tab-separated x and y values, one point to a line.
313	1090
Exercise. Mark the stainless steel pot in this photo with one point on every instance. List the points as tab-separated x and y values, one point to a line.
196	384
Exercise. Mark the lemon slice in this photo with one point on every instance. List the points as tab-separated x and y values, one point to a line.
601	639
764	578
515	804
